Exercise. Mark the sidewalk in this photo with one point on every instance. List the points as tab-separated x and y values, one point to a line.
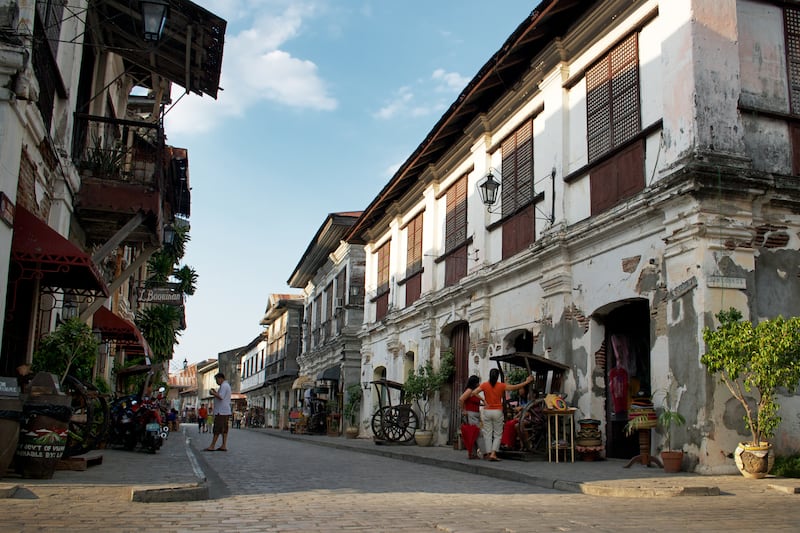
173	474
598	478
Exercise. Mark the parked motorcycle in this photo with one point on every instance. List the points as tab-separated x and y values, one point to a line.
137	421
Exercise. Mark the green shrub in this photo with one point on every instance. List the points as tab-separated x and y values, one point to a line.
787	466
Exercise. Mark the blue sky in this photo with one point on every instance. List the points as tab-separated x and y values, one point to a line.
322	103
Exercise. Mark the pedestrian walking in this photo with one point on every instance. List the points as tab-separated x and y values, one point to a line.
222	413
202	414
493	392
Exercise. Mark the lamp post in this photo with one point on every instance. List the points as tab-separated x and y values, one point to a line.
154	18
185	364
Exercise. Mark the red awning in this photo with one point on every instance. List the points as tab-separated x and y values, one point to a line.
115	328
41	252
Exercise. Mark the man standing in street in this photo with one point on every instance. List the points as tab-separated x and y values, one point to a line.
222	413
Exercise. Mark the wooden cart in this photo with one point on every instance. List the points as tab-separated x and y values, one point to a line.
532	422
393	422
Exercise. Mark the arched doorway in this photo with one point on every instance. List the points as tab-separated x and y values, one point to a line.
459	344
627	370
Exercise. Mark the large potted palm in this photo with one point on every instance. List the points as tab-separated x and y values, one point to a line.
753	361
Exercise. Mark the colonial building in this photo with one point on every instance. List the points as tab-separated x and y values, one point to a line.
646	154
87	183
282	322
253	366
331	274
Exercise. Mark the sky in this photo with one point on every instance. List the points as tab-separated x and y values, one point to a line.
322	102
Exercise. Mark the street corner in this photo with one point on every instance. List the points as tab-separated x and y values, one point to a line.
188	492
650	490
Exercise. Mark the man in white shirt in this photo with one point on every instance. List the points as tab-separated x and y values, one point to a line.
222	413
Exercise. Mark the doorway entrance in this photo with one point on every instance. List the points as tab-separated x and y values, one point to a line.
459	343
627	371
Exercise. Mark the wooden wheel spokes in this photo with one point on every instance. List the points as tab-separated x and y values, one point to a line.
532	428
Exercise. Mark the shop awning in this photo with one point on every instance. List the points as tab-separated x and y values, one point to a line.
330	374
41	252
115	328
303	382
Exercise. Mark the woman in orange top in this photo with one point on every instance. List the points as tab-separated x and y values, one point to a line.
493	392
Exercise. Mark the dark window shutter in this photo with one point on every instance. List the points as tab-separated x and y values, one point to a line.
794	131
518	232
381	306
612	99
456	218
620	177
517	170
414	245
517	190
413	288
792	29
455	266
382	300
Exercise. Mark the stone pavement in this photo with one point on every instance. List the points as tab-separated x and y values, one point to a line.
174	473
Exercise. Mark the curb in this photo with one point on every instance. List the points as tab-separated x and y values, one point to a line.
183	493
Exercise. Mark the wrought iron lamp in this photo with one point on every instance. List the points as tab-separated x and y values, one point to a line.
169	234
154	18
185	364
489	188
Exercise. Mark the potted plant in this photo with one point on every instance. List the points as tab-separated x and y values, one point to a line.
753	361
671	459
352	410
420	387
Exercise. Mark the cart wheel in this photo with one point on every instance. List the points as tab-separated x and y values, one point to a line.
532	429
381	420
405	423
79	431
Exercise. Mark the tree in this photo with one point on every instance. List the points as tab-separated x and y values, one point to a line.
71	348
421	385
755	359
160	325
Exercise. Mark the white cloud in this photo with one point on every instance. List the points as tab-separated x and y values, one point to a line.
404	102
399	104
449	81
255	69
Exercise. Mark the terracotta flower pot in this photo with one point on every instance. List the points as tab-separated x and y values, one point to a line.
673	461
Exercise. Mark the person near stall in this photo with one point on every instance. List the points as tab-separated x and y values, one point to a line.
471	407
493	419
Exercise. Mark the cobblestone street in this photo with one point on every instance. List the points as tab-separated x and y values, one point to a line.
264	483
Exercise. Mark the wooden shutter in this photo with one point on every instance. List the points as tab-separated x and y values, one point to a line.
456	232
414	245
612	98
413	288
792	28
382	300
456	218
794	131
618	178
517	169
519	231
413	284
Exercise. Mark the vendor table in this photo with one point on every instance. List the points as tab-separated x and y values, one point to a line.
560	433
